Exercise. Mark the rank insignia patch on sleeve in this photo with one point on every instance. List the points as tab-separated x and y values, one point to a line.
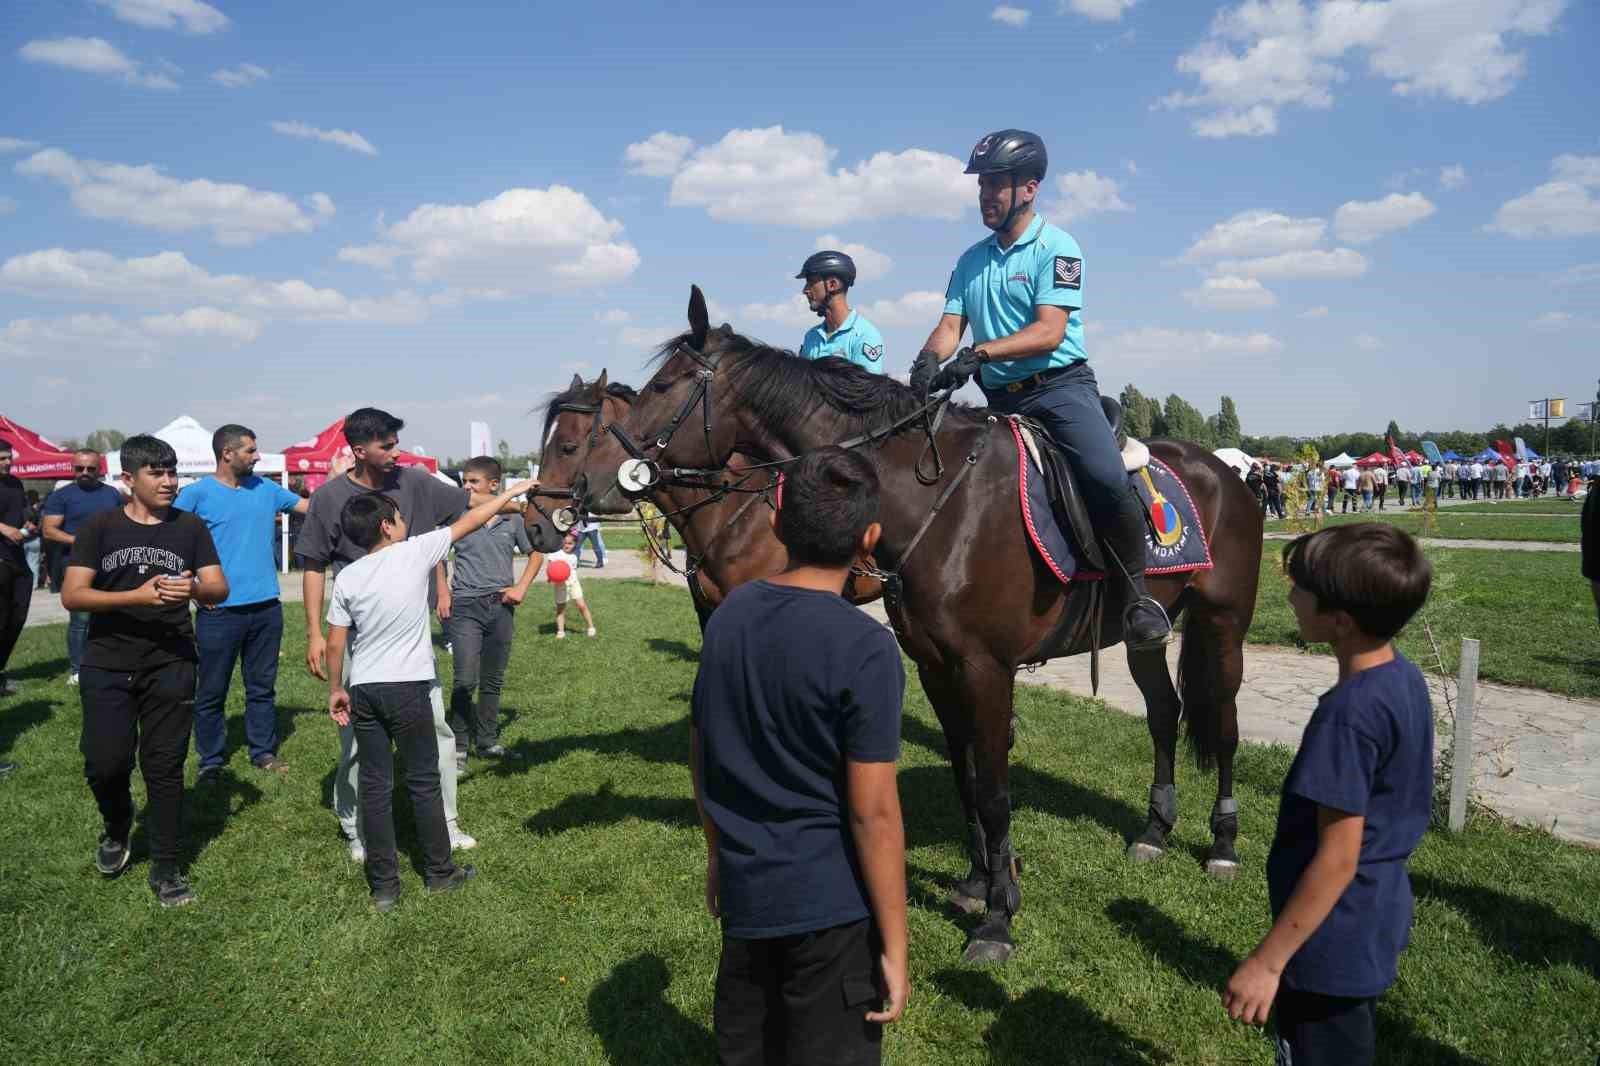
1069	272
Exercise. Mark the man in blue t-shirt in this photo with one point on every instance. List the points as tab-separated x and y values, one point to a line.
1354	807
842	332
1021	291
794	735
241	511
65	511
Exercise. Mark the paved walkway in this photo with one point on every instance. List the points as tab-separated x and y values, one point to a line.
1538	753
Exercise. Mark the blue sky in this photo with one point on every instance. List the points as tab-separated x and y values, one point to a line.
1338	213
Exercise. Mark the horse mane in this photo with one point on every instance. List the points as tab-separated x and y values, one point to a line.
580	394
784	390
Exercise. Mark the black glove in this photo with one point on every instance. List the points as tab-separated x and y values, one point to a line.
958	371
924	369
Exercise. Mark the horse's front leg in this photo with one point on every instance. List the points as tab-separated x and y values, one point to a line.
987	691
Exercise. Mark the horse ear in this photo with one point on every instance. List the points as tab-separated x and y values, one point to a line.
600	383
577	383
699	318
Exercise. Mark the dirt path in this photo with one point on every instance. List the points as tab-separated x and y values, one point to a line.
1488	545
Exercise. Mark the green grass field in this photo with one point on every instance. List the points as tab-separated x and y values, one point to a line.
1525	526
584	940
1532	613
1537	505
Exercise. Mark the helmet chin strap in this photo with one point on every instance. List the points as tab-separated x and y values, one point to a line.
1005	223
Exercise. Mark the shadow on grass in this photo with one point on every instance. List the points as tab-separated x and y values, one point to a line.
1041	1024
675	649
933	809
236	741
1571	662
665	743
17	720
1525	929
605	807
209	807
629	1012
1198	961
40	670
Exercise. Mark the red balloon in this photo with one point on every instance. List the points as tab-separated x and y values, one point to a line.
557	571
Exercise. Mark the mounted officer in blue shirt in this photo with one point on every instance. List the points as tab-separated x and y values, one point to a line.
842	332
1021	291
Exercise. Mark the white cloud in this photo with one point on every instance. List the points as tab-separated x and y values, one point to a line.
1453	176
1307	264
94	337
94	55
1368	343
7	205
1255	233
1123	38
1173	346
190	16
1011	16
524	240
240	76
613	316
1360	221
646	336
1083	192
793	312
321	203
343	138
913	309
1565	207
376	256
1231	294
16	144
774	176
871	264
1581	274
169	279
1555	320
1265	55
1098	10
658	155
203	322
235	214
1314	312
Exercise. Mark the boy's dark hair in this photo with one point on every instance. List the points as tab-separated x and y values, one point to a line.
363	517
487	465
1370	570
830	497
5	446
142	450
229	436
367	424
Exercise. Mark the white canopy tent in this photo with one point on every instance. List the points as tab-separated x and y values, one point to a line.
192	442
1340	461
1235	458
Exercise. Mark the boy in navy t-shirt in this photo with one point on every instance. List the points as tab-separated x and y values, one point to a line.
1354	807
796	728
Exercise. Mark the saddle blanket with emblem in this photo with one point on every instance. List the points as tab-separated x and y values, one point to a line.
1174	540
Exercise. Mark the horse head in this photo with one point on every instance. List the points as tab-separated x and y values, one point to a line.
576	442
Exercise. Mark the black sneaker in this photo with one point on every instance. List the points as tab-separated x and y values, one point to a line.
458	877
270	761
384	902
171	888
113	854
493	751
7	769
208	777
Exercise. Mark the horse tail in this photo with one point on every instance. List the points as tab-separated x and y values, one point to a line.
1200	687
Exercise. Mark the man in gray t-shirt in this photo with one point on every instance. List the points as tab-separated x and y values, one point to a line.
484	597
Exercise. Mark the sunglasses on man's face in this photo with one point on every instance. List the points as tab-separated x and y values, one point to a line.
86	469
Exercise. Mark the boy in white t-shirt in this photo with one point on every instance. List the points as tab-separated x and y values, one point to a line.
569	589
383	598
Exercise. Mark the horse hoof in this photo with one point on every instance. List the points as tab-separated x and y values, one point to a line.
986	951
1141	853
961	902
1222	869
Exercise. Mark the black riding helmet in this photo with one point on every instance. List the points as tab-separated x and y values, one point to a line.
829	264
1016	152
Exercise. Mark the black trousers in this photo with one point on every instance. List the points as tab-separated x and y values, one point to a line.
399	713
16	593
1317	1030
150	712
482	630
800	1000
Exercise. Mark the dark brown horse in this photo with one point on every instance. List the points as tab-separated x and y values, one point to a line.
974	601
725	526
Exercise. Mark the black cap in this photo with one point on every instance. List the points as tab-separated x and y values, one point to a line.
1009	151
829	264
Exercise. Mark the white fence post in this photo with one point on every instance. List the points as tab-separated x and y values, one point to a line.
1461	745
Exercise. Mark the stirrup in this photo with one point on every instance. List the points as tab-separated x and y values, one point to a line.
1149	644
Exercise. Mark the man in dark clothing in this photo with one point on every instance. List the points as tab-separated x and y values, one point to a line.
1591	540
66	510
16	580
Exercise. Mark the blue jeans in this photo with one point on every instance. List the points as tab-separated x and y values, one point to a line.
592	535
251	635
77	637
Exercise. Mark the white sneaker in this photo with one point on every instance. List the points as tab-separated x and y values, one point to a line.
460	840
591	631
561	634
358	850
9	688
72	680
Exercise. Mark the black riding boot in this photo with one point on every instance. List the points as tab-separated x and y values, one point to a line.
1144	622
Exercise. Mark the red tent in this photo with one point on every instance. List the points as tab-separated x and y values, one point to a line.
1415	459
315	456
35	457
1375	459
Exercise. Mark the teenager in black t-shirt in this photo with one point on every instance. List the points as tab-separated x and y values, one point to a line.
796	728
135	569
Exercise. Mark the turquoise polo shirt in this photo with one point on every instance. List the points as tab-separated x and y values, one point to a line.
856	339
241	522
997	291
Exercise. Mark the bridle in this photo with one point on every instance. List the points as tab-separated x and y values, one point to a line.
564	518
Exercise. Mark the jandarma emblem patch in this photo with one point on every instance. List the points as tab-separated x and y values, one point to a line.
1069	272
872	351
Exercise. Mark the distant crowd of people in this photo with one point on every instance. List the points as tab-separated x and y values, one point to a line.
1365	487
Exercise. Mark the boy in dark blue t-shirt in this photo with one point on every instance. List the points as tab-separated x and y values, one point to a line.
1354	807
796	728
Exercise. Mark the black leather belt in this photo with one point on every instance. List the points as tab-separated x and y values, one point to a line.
1033	381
